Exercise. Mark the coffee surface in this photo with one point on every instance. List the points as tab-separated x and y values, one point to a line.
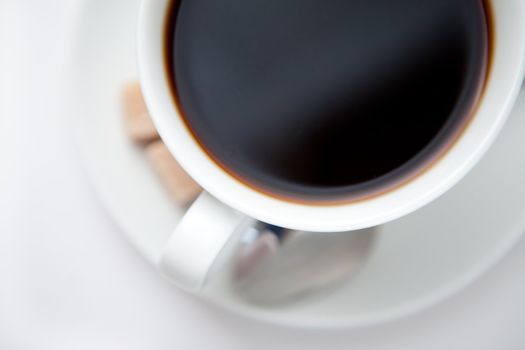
326	99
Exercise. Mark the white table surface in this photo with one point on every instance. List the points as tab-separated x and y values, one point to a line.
69	279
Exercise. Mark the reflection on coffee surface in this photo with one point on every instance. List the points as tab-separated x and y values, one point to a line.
325	100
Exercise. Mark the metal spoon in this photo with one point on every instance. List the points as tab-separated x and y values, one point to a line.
273	265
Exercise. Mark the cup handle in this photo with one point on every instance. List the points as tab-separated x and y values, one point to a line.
197	241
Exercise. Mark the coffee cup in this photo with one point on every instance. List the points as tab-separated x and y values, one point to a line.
228	204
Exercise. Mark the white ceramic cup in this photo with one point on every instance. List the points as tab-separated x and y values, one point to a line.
227	203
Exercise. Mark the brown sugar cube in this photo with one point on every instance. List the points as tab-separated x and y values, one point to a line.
179	184
137	121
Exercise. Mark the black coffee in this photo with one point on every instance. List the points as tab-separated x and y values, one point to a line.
323	100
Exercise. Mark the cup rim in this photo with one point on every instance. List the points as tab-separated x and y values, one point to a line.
501	88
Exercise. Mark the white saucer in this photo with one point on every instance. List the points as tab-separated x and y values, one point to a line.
419	260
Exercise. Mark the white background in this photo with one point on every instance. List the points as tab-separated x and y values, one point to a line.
69	280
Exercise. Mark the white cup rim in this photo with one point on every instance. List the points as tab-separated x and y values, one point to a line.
501	90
